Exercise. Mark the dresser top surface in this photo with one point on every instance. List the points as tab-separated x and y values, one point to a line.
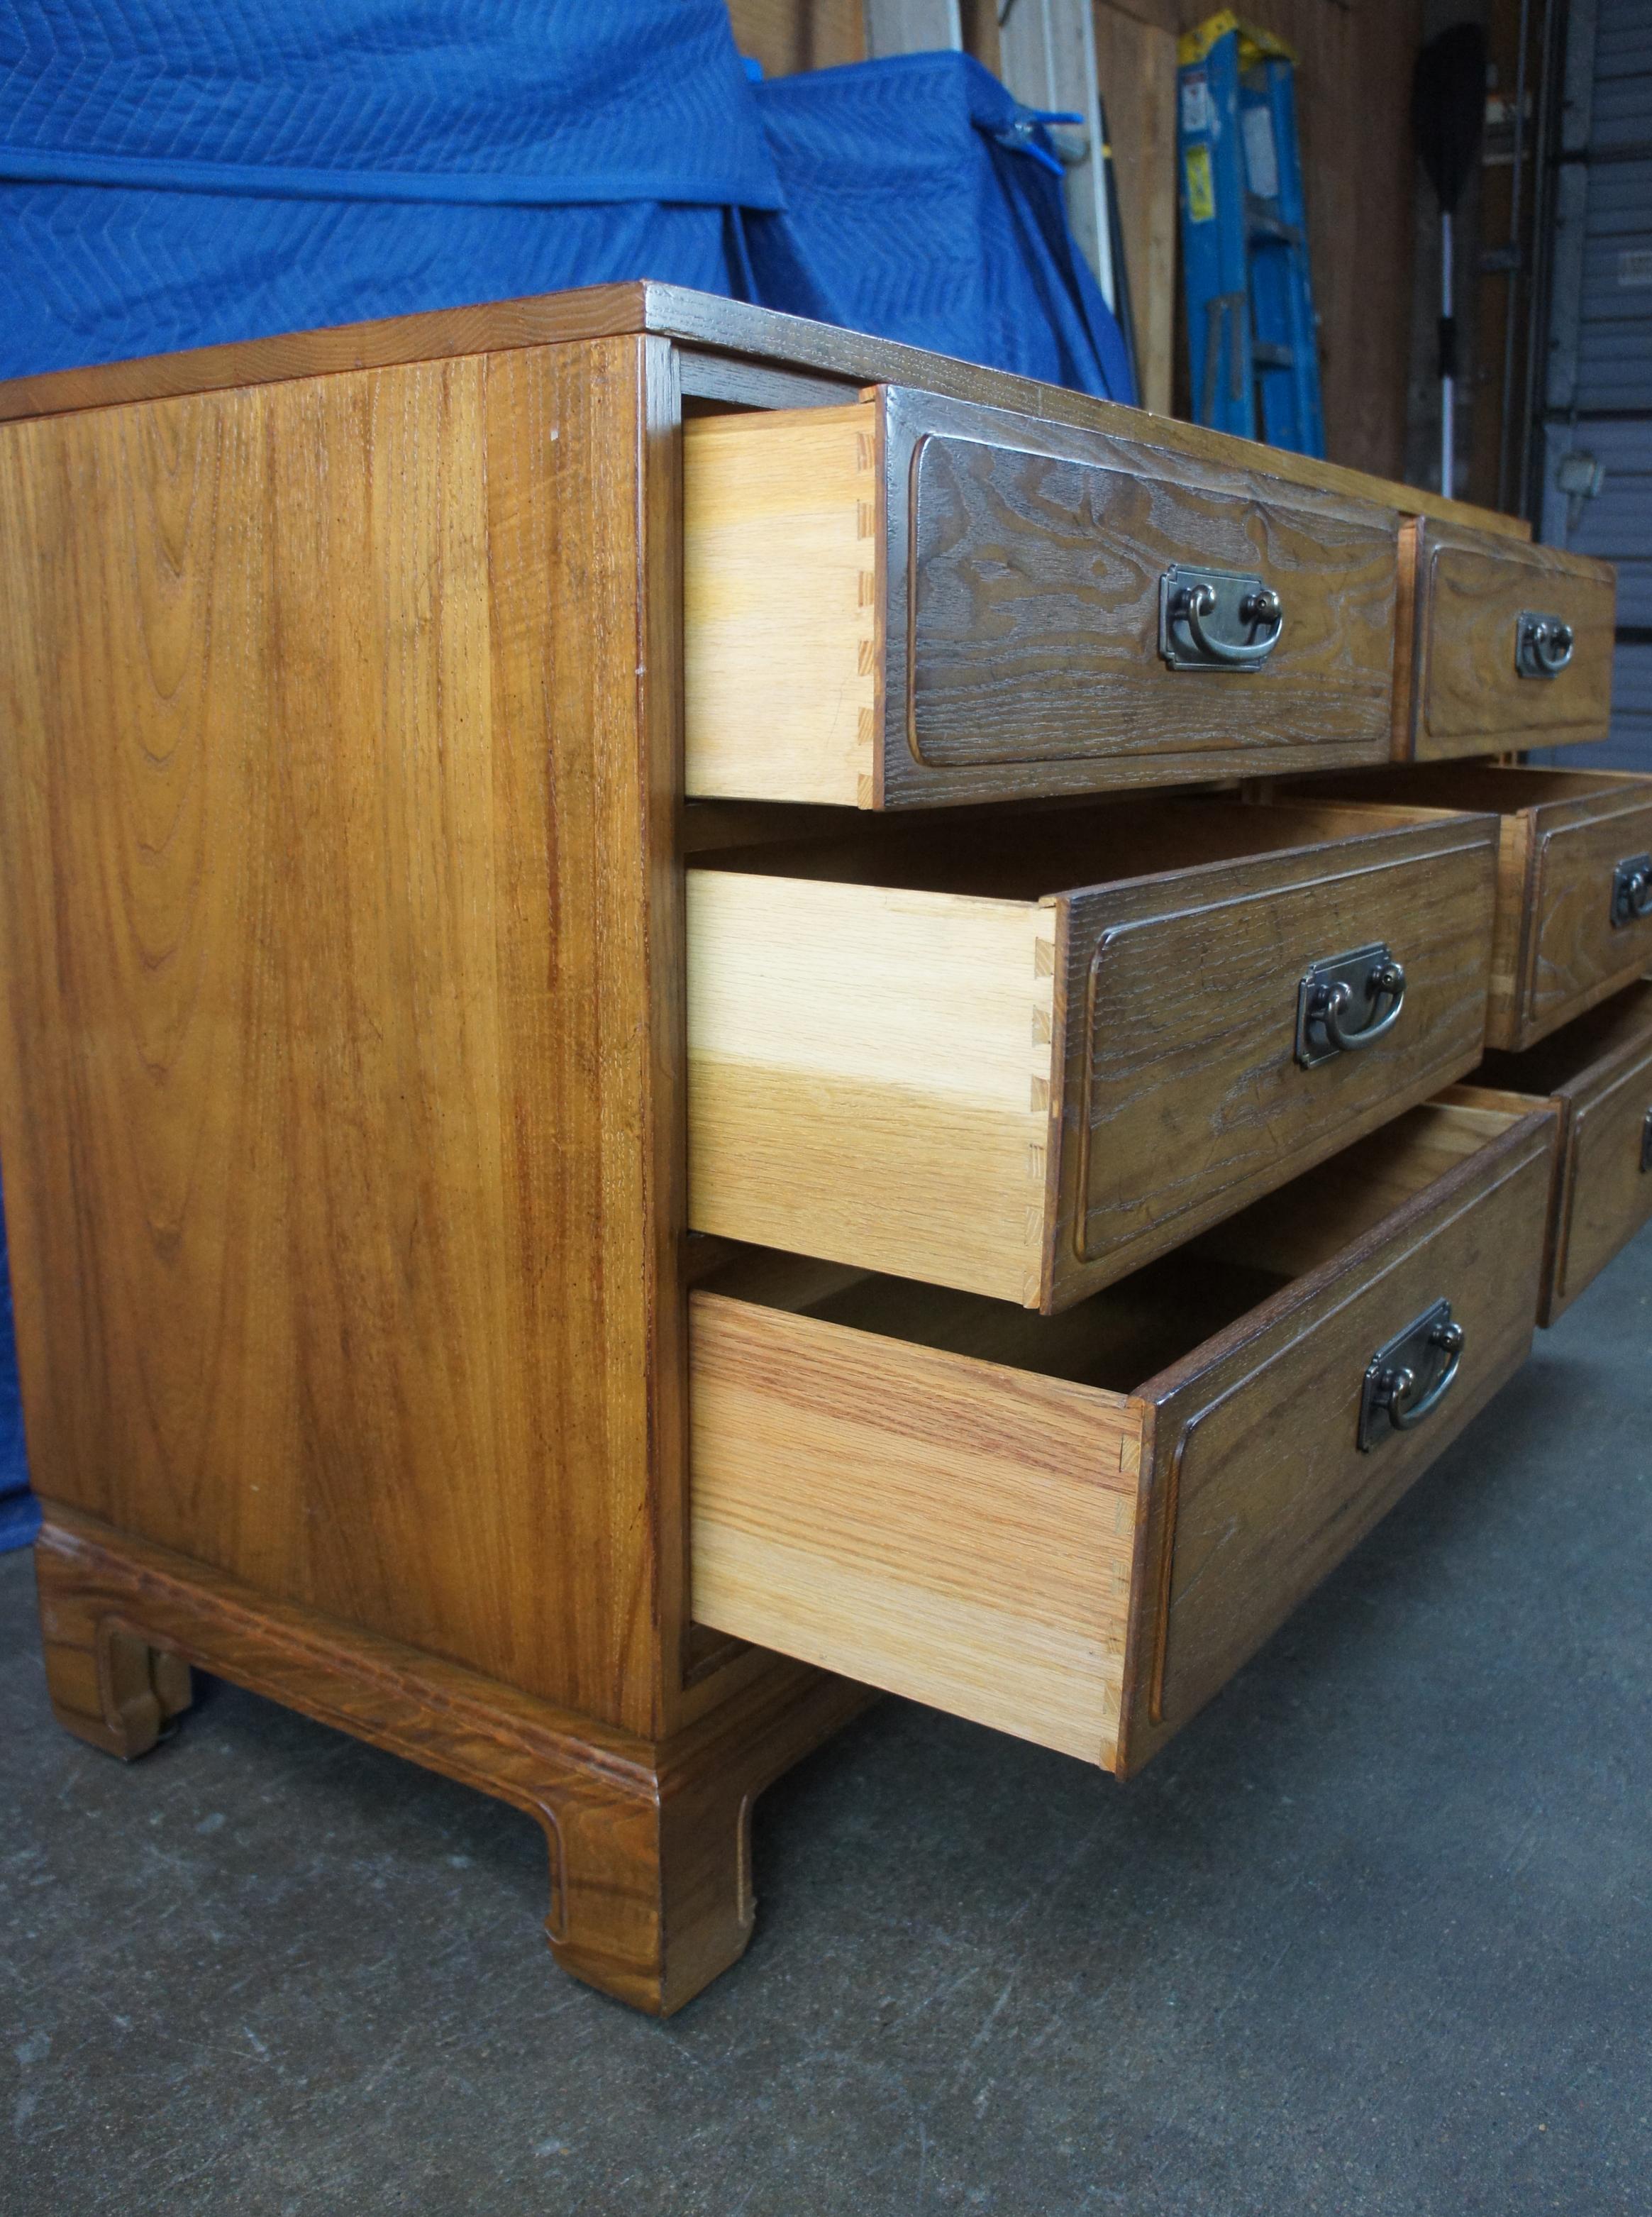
700	320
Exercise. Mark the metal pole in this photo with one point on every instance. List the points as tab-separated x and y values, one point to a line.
1511	298
1447	380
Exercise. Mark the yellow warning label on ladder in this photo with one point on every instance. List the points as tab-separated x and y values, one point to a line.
1201	192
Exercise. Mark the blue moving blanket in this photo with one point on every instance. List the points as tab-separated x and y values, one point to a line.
183	172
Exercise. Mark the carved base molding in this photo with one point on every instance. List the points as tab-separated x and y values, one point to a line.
650	1843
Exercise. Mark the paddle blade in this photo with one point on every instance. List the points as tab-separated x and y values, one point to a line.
1448	108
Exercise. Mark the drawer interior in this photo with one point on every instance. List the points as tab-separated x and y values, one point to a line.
1619	1027
1035	854
1122	1338
1489	787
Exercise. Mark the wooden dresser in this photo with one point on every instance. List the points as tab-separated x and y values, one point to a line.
700	1015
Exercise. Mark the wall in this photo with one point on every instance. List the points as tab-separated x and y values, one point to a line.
1354	90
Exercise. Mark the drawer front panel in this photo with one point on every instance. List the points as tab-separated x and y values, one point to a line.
1267	1485
1034	617
1577	951
1473	697
1188	1096
1606	1192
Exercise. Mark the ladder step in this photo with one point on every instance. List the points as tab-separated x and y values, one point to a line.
1272	357
1261	226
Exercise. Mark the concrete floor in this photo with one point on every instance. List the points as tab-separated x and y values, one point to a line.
1372	1936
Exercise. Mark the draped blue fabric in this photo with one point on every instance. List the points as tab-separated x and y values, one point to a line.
178	173
20	1516
924	204
543	101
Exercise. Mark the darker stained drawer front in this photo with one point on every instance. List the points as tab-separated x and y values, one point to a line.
1598	1074
1034	575
916	601
1186	1095
1265	1482
1573	881
925	1057
1478	683
985	1510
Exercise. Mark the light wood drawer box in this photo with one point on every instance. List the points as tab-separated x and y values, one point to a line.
1474	679
914	599
1077	1528
914	1049
1597	1074
1574	882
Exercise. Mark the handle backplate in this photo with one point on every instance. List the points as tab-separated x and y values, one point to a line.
1543	645
1631	891
1407	1380
1347	1002
1216	618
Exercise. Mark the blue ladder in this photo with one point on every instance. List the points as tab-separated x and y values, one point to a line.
1251	326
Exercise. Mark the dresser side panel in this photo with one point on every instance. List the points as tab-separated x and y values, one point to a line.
326	1092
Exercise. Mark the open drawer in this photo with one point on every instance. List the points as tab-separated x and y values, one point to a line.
1022	1055
1597	1075
1077	1528
1573	881
1503	645
915	600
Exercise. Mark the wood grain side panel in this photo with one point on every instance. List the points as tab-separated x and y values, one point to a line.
583	552
338	955
1264	1487
781	539
1471	698
948	1529
1185	1098
1034	617
871	1076
249	962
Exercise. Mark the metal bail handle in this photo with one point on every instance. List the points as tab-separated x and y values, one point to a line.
1263	607
1200	610
1631	891
1543	645
1326	997
1405	1381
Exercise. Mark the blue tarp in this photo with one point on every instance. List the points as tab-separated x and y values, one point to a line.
193	171
540	101
922	203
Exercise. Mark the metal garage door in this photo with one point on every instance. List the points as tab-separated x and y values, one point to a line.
1598	419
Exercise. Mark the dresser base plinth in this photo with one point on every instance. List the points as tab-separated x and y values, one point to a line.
649	1841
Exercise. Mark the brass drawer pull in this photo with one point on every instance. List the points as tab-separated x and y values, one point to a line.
1408	1379
1350	1001
1209	619
1631	891
1543	645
